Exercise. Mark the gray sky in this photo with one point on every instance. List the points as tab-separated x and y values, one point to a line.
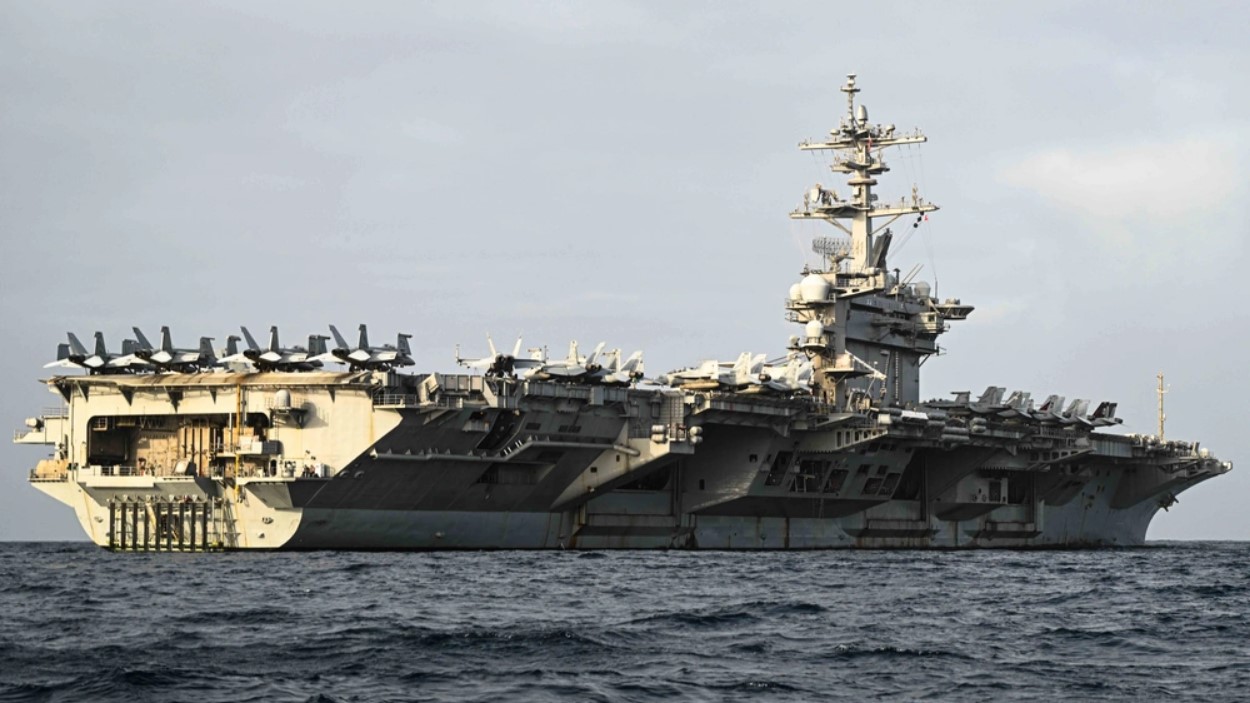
622	171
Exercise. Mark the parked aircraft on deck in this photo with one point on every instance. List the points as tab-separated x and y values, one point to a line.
714	375
275	357
75	355
793	375
501	364
574	367
364	357
168	358
620	373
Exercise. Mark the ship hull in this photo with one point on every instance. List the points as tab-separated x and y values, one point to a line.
625	520
532	466
1087	522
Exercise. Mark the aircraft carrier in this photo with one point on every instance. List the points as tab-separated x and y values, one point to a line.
829	445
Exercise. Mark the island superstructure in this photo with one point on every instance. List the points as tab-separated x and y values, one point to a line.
826	446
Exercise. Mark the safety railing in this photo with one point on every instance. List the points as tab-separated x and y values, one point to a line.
114	470
397	400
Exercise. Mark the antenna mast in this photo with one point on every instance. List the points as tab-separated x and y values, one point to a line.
855	265
1161	390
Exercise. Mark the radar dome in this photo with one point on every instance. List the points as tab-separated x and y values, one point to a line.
814	288
814	329
922	289
795	291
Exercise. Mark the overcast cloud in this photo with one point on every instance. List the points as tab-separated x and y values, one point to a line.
622	171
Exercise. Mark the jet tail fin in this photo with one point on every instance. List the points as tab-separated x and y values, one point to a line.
251	341
338	338
757	363
74	346
1019	400
794	370
130	346
62	351
364	336
232	345
274	346
141	339
167	342
594	354
207	355
992	395
633	363
1104	411
317	344
743	364
401	342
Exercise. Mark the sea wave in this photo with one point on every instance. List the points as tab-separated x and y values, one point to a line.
77	623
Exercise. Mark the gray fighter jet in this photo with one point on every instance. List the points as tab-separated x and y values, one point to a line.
167	358
75	356
363	357
275	357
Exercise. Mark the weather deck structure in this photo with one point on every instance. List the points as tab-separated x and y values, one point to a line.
828	446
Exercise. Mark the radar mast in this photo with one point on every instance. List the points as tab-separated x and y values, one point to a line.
854	142
855	266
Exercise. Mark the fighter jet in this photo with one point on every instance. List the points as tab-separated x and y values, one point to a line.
1019	404
1104	415
1076	411
1051	410
713	375
618	373
231	357
75	355
167	358
500	364
574	367
1051	405
991	401
792	376
275	357
364	357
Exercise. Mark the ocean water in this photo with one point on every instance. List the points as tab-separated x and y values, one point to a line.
1170	621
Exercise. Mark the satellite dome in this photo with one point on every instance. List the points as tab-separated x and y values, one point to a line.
795	291
814	288
814	329
922	289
